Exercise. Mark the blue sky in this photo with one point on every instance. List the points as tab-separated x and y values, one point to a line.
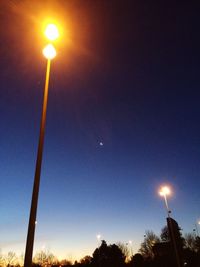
123	118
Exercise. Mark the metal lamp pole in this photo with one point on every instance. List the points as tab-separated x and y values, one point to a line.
166	205
49	53
164	192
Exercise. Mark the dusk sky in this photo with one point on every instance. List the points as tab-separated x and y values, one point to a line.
123	118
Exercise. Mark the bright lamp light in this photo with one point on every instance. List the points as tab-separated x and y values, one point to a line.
49	51
51	32
165	190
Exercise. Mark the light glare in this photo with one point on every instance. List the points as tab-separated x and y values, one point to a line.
51	32
49	51
164	191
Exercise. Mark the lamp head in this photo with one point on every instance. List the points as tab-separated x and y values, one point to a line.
164	191
51	32
49	51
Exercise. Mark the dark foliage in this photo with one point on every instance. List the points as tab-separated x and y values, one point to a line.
108	256
137	260
164	236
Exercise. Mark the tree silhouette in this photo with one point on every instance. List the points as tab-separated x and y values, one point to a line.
86	261
44	258
150	240
1	259
197	244
10	258
108	256
137	260
189	241
165	234
65	263
125	250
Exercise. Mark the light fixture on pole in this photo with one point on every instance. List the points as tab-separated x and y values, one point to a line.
164	192
49	53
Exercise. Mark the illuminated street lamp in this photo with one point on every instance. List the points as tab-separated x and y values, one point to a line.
51	32
172	228
164	192
49	53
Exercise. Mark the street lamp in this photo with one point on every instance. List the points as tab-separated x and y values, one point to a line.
164	192
51	32
49	53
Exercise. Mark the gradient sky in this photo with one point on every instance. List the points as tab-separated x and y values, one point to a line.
123	118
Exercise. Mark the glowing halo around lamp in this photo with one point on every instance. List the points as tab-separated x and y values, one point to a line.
164	191
49	51
51	32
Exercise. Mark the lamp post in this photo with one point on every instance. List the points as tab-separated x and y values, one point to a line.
49	52
164	192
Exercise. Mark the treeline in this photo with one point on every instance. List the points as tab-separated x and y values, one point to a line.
152	253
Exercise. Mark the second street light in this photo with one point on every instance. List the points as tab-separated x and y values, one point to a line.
172	226
49	52
164	192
